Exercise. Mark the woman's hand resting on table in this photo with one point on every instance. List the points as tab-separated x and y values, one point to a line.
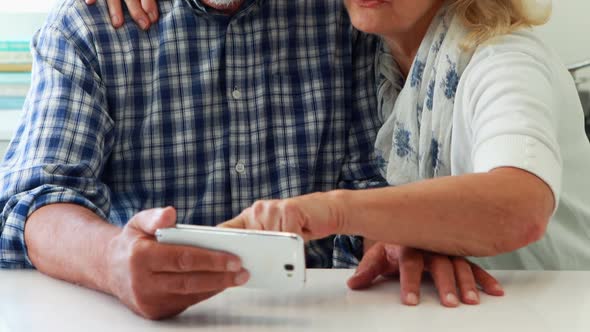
316	216
456	279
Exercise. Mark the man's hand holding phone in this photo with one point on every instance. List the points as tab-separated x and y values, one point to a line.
274	260
159	280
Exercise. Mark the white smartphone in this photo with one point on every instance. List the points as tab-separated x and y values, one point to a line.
275	260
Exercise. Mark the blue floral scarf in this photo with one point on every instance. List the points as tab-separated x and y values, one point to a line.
415	140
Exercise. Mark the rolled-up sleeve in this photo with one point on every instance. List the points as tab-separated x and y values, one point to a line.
63	140
514	124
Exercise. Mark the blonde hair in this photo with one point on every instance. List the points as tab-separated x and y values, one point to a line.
490	18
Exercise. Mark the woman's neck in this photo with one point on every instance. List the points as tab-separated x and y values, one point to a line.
403	51
404	45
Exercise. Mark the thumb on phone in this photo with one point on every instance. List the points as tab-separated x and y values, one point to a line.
148	221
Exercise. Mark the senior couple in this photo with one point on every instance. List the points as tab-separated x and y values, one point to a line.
266	114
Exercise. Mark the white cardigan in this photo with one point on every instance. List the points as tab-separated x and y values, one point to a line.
517	106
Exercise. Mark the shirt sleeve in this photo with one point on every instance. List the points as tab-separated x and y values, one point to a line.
511	110
62	142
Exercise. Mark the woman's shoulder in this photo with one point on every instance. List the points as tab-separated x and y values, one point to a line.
513	59
518	71
524	44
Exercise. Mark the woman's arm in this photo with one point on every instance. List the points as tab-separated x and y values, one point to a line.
468	215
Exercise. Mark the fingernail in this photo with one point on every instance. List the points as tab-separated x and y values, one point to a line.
358	273
472	296
412	299
452	299
152	17
115	20
142	23
233	266
160	212
241	278
498	288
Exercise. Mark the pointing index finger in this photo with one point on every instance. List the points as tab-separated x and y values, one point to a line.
240	221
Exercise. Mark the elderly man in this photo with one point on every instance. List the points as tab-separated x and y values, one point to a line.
220	103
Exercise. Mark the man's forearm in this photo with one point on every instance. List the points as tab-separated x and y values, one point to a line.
69	242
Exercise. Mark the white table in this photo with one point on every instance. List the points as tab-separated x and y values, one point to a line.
534	301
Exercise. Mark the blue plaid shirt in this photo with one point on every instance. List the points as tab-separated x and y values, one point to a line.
203	112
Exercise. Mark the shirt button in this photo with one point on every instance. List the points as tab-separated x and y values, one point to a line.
240	168
236	94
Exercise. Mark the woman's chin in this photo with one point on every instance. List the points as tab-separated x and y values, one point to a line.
368	20
367	24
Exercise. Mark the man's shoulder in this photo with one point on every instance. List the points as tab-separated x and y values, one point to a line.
70	16
76	18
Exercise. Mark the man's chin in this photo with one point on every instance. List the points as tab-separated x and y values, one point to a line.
224	5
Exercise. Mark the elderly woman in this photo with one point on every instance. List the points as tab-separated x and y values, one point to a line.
482	143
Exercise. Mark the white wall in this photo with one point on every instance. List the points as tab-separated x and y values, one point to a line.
19	19
26	6
568	31
3	147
